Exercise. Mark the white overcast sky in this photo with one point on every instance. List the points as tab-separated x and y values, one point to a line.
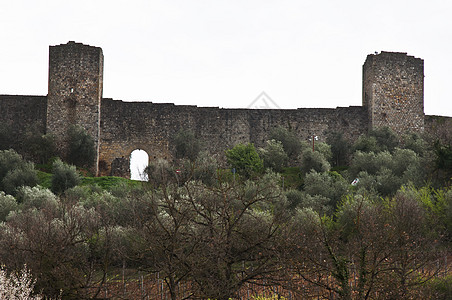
225	53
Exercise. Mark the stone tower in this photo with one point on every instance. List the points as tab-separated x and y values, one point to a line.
75	92
393	91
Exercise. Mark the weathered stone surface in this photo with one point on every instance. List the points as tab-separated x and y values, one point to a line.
393	88
393	91
21	113
127	126
75	91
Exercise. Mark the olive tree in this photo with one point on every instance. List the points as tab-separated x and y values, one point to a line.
82	152
64	177
245	159
15	172
274	156
290	141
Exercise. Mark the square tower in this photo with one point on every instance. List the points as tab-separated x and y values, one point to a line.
75	92
393	91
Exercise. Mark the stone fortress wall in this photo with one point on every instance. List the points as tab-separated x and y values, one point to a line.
393	87
127	126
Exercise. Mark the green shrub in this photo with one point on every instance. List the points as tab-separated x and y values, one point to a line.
36	197
206	169
274	156
187	145
15	172
289	140
7	204
81	147
340	148
245	159
23	176
160	173
438	288
64	176
329	185
379	139
39	147
314	160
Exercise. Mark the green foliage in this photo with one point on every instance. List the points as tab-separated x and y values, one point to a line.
387	140
53	243
274	156
367	236
340	149
15	172
365	143
44	179
36	197
187	145
415	142
314	160
205	169
329	185
384	172
444	159
64	176
379	139
9	160
301	200
82	152
293	178
23	176
39	147
289	140
324	149
160	173
245	159
7	204
438	288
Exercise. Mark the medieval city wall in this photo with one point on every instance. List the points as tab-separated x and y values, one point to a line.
19	114
393	96
127	126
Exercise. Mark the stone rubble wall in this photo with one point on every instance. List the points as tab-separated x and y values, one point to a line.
393	91
19	114
151	127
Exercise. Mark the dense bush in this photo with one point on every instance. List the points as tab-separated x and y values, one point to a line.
329	185
36	197
245	160
289	140
340	148
206	169
160	173
274	156
187	145
384	172
15	172
82	152
314	160
7	204
379	139
64	177
39	147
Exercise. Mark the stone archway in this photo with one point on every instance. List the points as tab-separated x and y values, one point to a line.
139	160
